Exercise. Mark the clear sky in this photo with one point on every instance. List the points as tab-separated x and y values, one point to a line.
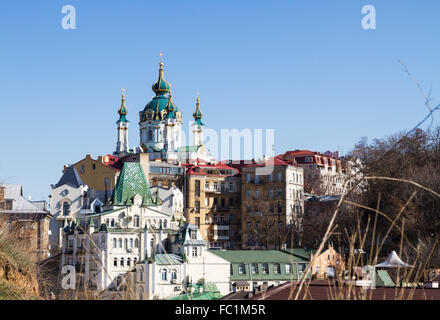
304	68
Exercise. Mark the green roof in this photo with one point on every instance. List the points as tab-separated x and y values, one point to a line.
167	259
263	256
210	292
188	149
130	183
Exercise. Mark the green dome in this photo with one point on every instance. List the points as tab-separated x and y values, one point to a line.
161	102
161	86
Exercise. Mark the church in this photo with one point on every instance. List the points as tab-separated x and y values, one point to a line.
160	129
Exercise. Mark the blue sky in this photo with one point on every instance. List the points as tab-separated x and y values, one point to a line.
304	68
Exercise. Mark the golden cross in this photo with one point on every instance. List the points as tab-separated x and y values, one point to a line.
161	56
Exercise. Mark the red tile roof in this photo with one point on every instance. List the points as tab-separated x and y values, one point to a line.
328	290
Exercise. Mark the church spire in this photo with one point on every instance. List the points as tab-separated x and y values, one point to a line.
122	143
123	111
161	87
198	113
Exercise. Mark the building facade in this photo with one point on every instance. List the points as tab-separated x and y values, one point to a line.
272	204
213	203
28	220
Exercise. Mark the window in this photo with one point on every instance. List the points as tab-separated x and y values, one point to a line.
279	176
302	267
241	268
223	188
152	243
174	274
265	268
231	202
280	192
280	225
277	269
165	224
215	186
94	166
193	234
198	221
82	168
271	208
231	187
136	243
120	243
206	219
128	262
248	193
248	177
115	262
194	251
254	268
271	193
257	178
66	209
223	203
136	221
257	193
215	218
125	243
280	207
122	262
206	185
248	225
164	274
114	243
112	224
288	268
197	206
222	218
131	243
271	177
231	218
150	134
197	186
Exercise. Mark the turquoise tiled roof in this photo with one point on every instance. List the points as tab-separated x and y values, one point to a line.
130	183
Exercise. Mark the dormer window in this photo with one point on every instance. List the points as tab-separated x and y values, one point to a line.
194	251
193	235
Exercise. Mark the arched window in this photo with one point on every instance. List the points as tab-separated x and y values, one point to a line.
131	243
141	293
141	274
150	135
115	262
112	224
120	243
66	209
174	274
160	223
122	262
165	223
128	262
135	261
164	274
107	222
152	243
114	242
136	221
125	243
136	243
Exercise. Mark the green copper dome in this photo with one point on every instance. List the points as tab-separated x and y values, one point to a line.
161	101
198	114
161	86
123	110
